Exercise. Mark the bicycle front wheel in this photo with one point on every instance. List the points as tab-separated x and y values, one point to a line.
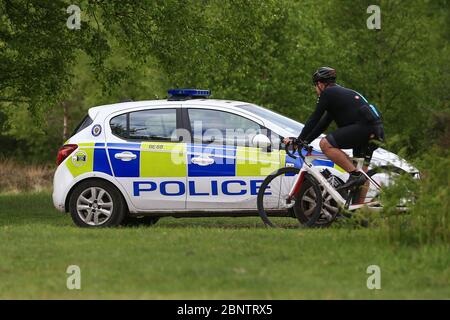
274	191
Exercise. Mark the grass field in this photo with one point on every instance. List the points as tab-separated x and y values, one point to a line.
205	258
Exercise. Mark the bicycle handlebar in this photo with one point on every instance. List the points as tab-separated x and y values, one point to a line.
298	145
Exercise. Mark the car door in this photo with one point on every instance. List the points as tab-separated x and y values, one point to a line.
148	159
224	169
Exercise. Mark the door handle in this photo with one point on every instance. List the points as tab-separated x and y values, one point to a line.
202	161
125	156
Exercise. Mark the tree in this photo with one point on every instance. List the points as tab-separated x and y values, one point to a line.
262	52
402	68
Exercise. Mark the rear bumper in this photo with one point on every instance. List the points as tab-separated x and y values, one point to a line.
61	183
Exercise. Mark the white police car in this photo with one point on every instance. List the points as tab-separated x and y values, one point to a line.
184	156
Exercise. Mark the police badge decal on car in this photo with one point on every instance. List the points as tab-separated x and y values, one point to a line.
79	158
96	130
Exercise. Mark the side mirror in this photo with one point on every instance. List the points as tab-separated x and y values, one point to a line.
261	141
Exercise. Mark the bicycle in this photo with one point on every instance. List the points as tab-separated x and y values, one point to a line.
308	193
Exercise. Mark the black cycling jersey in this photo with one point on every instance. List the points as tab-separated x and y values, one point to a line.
357	120
337	103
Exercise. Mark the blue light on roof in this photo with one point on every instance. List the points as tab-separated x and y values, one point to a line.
175	94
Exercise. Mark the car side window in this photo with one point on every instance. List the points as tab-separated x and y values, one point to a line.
220	127
119	126
146	125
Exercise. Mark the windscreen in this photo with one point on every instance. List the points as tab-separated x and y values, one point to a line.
284	122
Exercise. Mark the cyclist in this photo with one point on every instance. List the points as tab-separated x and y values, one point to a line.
359	125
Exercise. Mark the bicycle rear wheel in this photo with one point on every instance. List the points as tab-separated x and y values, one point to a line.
330	209
274	191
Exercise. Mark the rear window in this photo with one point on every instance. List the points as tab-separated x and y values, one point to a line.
86	122
119	125
145	125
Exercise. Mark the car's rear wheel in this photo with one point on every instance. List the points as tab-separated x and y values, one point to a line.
97	203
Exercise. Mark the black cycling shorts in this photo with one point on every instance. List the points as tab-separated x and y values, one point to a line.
363	138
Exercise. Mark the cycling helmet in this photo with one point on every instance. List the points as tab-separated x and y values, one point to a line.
324	74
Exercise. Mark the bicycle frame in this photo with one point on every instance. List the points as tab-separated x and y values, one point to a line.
307	167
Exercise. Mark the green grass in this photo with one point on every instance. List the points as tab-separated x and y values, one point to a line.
205	258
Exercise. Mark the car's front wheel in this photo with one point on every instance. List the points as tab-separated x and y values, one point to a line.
139	221
97	203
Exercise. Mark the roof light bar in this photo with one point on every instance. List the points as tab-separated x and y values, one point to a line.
186	94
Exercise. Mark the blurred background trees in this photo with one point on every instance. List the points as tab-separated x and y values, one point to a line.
256	51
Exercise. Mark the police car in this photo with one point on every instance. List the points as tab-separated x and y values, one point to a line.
184	156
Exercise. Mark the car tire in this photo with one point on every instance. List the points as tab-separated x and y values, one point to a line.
96	204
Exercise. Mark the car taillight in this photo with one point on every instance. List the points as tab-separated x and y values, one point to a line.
64	152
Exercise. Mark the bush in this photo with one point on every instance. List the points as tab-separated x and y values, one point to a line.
427	219
16	177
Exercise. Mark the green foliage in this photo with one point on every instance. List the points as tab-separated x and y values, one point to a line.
427	220
37	52
402	68
261	52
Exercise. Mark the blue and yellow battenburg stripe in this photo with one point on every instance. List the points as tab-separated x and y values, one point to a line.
165	159
89	157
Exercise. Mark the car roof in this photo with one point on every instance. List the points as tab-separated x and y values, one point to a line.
123	106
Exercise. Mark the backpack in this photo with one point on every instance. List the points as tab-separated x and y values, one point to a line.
370	113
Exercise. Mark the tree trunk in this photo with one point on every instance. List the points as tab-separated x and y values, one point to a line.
65	119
